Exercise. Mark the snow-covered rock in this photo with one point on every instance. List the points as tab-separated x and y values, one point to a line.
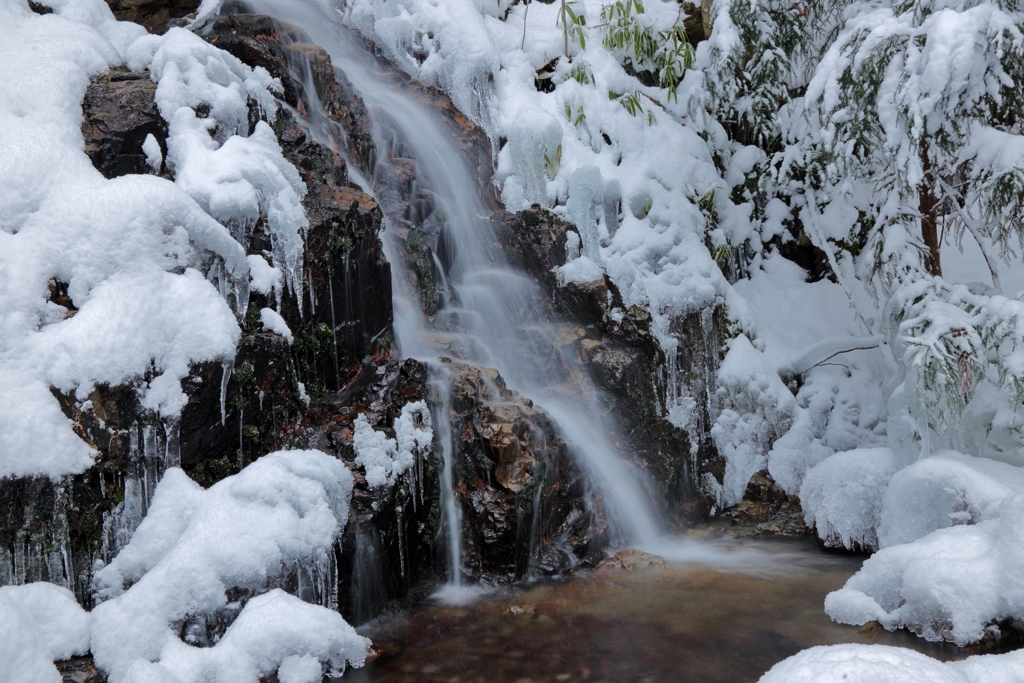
842	496
385	459
39	623
146	261
195	545
884	664
944	490
953	584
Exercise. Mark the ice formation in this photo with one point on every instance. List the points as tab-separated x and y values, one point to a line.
195	545
385	459
756	407
842	496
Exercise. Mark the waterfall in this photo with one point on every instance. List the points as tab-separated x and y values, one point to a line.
498	314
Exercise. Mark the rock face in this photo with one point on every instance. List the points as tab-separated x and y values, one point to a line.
522	495
274	394
155	15
119	112
614	343
767	510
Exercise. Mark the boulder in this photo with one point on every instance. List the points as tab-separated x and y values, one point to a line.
118	113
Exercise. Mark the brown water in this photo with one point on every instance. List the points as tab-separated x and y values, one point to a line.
688	623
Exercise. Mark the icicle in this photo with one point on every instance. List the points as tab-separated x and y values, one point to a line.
172	447
241	421
6	567
334	329
312	298
228	367
401	543
150	461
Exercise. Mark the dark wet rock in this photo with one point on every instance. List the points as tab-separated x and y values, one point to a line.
346	313
262	409
614	343
156	15
523	497
80	670
633	560
539	239
767	510
118	113
391	542
285	52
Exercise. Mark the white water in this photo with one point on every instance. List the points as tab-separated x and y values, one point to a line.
496	313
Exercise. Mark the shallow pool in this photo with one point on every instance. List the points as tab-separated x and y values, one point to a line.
721	612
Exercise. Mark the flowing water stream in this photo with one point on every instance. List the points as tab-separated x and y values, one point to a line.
494	315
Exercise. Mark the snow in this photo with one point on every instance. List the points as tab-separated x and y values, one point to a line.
949	585
116	243
154	155
148	262
194	545
862	664
39	623
385	459
842	496
755	408
946	489
272	320
263	277
885	664
235	177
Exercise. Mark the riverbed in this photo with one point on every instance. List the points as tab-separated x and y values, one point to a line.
722	611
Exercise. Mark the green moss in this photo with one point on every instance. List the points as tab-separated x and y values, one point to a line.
244	375
251	433
252	316
323	338
208	473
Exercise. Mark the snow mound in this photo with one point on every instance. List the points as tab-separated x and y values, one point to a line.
884	664
953	584
944	490
272	320
263	277
195	545
39	623
385	459
861	664
842	496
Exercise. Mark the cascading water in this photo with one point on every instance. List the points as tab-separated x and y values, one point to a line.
494	314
